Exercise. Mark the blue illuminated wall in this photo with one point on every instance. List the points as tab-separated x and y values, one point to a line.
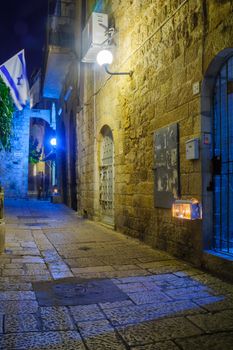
14	163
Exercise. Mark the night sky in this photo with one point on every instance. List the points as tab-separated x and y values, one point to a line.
22	26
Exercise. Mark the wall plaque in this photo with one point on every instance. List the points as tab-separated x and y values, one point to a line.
166	166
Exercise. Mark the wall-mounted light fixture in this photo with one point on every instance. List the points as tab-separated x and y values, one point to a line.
68	93
104	58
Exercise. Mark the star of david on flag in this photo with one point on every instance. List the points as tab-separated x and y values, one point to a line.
13	73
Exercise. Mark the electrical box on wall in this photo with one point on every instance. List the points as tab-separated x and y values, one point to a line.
192	149
94	36
196	88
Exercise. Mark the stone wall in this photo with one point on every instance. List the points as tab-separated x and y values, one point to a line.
14	163
67	145
169	45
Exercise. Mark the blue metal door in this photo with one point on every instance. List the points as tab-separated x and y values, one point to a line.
223	160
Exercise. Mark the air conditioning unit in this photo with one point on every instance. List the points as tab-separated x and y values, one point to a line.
94	36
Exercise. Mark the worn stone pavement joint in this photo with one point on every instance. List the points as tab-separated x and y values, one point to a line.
73	291
32	217
8	251
36	224
84	248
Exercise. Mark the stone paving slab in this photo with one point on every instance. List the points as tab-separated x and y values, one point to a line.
42	340
84	262
32	278
86	313
132	287
1	324
188	293
56	318
112	274
219	341
83	270
148	297
217	322
95	328
18	306
21	323
116	304
163	329
29	260
167	345
107	341
119	260
14	286
215	303
126	267
133	315
166	303
17	295
13	272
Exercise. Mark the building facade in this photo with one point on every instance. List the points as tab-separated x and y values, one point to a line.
60	85
14	161
133	132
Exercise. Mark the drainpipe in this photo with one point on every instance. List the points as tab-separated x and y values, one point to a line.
95	177
2	223
204	32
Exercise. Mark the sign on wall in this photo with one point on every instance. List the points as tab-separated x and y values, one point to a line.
166	166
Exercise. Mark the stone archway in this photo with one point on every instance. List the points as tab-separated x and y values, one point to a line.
39	169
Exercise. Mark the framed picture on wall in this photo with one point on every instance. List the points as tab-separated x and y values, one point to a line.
166	166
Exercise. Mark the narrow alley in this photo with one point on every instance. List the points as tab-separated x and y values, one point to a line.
69	283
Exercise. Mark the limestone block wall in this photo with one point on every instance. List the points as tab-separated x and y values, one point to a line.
14	163
169	45
86	146
66	134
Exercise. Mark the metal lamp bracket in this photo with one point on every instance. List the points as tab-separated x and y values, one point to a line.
130	73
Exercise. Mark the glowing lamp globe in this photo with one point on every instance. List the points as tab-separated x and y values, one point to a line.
53	141
104	57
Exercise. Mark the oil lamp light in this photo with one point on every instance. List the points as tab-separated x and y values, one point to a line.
187	209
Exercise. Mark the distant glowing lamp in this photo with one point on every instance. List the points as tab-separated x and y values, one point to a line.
55	190
187	209
53	142
104	58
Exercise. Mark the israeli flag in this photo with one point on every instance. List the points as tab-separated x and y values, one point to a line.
13	73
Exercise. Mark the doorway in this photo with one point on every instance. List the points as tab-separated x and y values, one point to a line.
222	160
106	177
73	146
63	165
40	159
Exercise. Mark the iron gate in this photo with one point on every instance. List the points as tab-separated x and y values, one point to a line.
223	160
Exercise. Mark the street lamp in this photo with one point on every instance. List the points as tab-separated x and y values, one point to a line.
104	58
53	142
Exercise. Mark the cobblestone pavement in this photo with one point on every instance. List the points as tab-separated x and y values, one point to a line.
67	283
